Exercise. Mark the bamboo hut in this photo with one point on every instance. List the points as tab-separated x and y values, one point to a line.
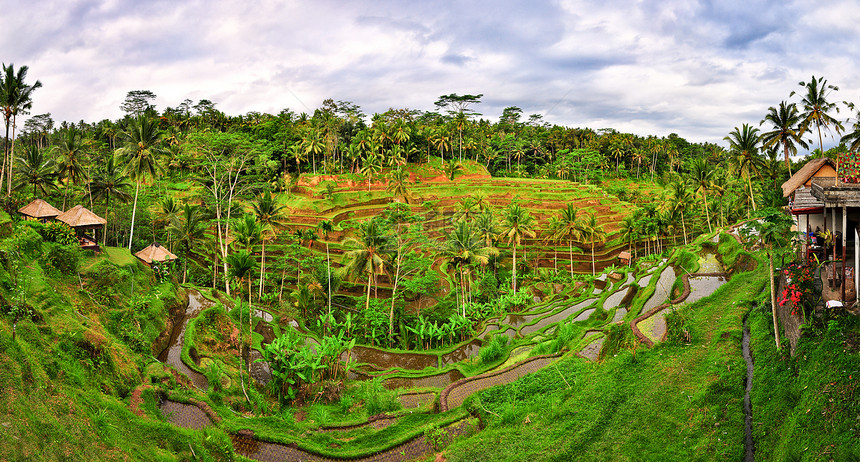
40	210
82	220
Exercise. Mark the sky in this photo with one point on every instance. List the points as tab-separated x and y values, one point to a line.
649	67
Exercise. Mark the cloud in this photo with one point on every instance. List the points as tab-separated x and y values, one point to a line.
651	67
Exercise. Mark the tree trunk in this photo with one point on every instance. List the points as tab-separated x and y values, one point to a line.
262	269
369	281
773	300
133	214
570	250
515	269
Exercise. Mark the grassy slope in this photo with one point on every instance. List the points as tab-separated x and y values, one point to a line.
807	407
67	380
673	402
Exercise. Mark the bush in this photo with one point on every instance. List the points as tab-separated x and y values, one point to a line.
61	233
494	349
63	258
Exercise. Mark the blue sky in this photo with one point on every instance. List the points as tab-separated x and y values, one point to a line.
647	67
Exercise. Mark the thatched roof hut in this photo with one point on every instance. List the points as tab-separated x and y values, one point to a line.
822	167
79	217
39	210
155	253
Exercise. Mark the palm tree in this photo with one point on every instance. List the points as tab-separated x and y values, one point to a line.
189	230
571	229
743	147
629	231
326	227
464	248
854	136
680	198
241	266
816	107
270	215
170	208
37	170
71	153
370	167
398	179
139	152
15	98
786	123
110	183
248	232
516	224
593	232
367	253
701	176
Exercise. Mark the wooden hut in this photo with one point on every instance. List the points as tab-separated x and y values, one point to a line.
155	253
83	220
40	210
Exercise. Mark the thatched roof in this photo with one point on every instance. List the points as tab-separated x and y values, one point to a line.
155	253
79	216
803	175
39	209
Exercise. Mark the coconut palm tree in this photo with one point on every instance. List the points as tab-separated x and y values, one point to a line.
15	98
248	232
35	169
367	253
462	249
629	231
71	153
680	198
816	108
371	167
701	176
745	159
142	145
593	232
110	183
326	227
241	266
516	224
398	179
786	123
170	210
570	229
270	215
189	231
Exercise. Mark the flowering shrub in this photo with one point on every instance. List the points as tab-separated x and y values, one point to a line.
799	287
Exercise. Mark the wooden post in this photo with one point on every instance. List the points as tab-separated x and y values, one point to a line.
844	248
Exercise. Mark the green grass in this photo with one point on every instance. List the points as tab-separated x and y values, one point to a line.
673	402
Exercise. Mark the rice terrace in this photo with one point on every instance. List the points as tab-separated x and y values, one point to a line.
186	284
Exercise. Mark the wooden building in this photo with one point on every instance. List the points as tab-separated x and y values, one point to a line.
83	221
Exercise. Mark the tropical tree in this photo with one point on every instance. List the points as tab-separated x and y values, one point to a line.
462	249
786	131
398	179
170	209
142	145
71	153
680	199
745	159
570	228
816	108
248	232
593	232
701	177
15	98
270	215
112	182
773	232
189	231
326	226
517	223
36	170
241	266
367	253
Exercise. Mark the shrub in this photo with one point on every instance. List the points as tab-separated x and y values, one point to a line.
63	258
494	349
61	233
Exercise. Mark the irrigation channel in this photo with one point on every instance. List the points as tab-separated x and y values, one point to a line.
615	295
